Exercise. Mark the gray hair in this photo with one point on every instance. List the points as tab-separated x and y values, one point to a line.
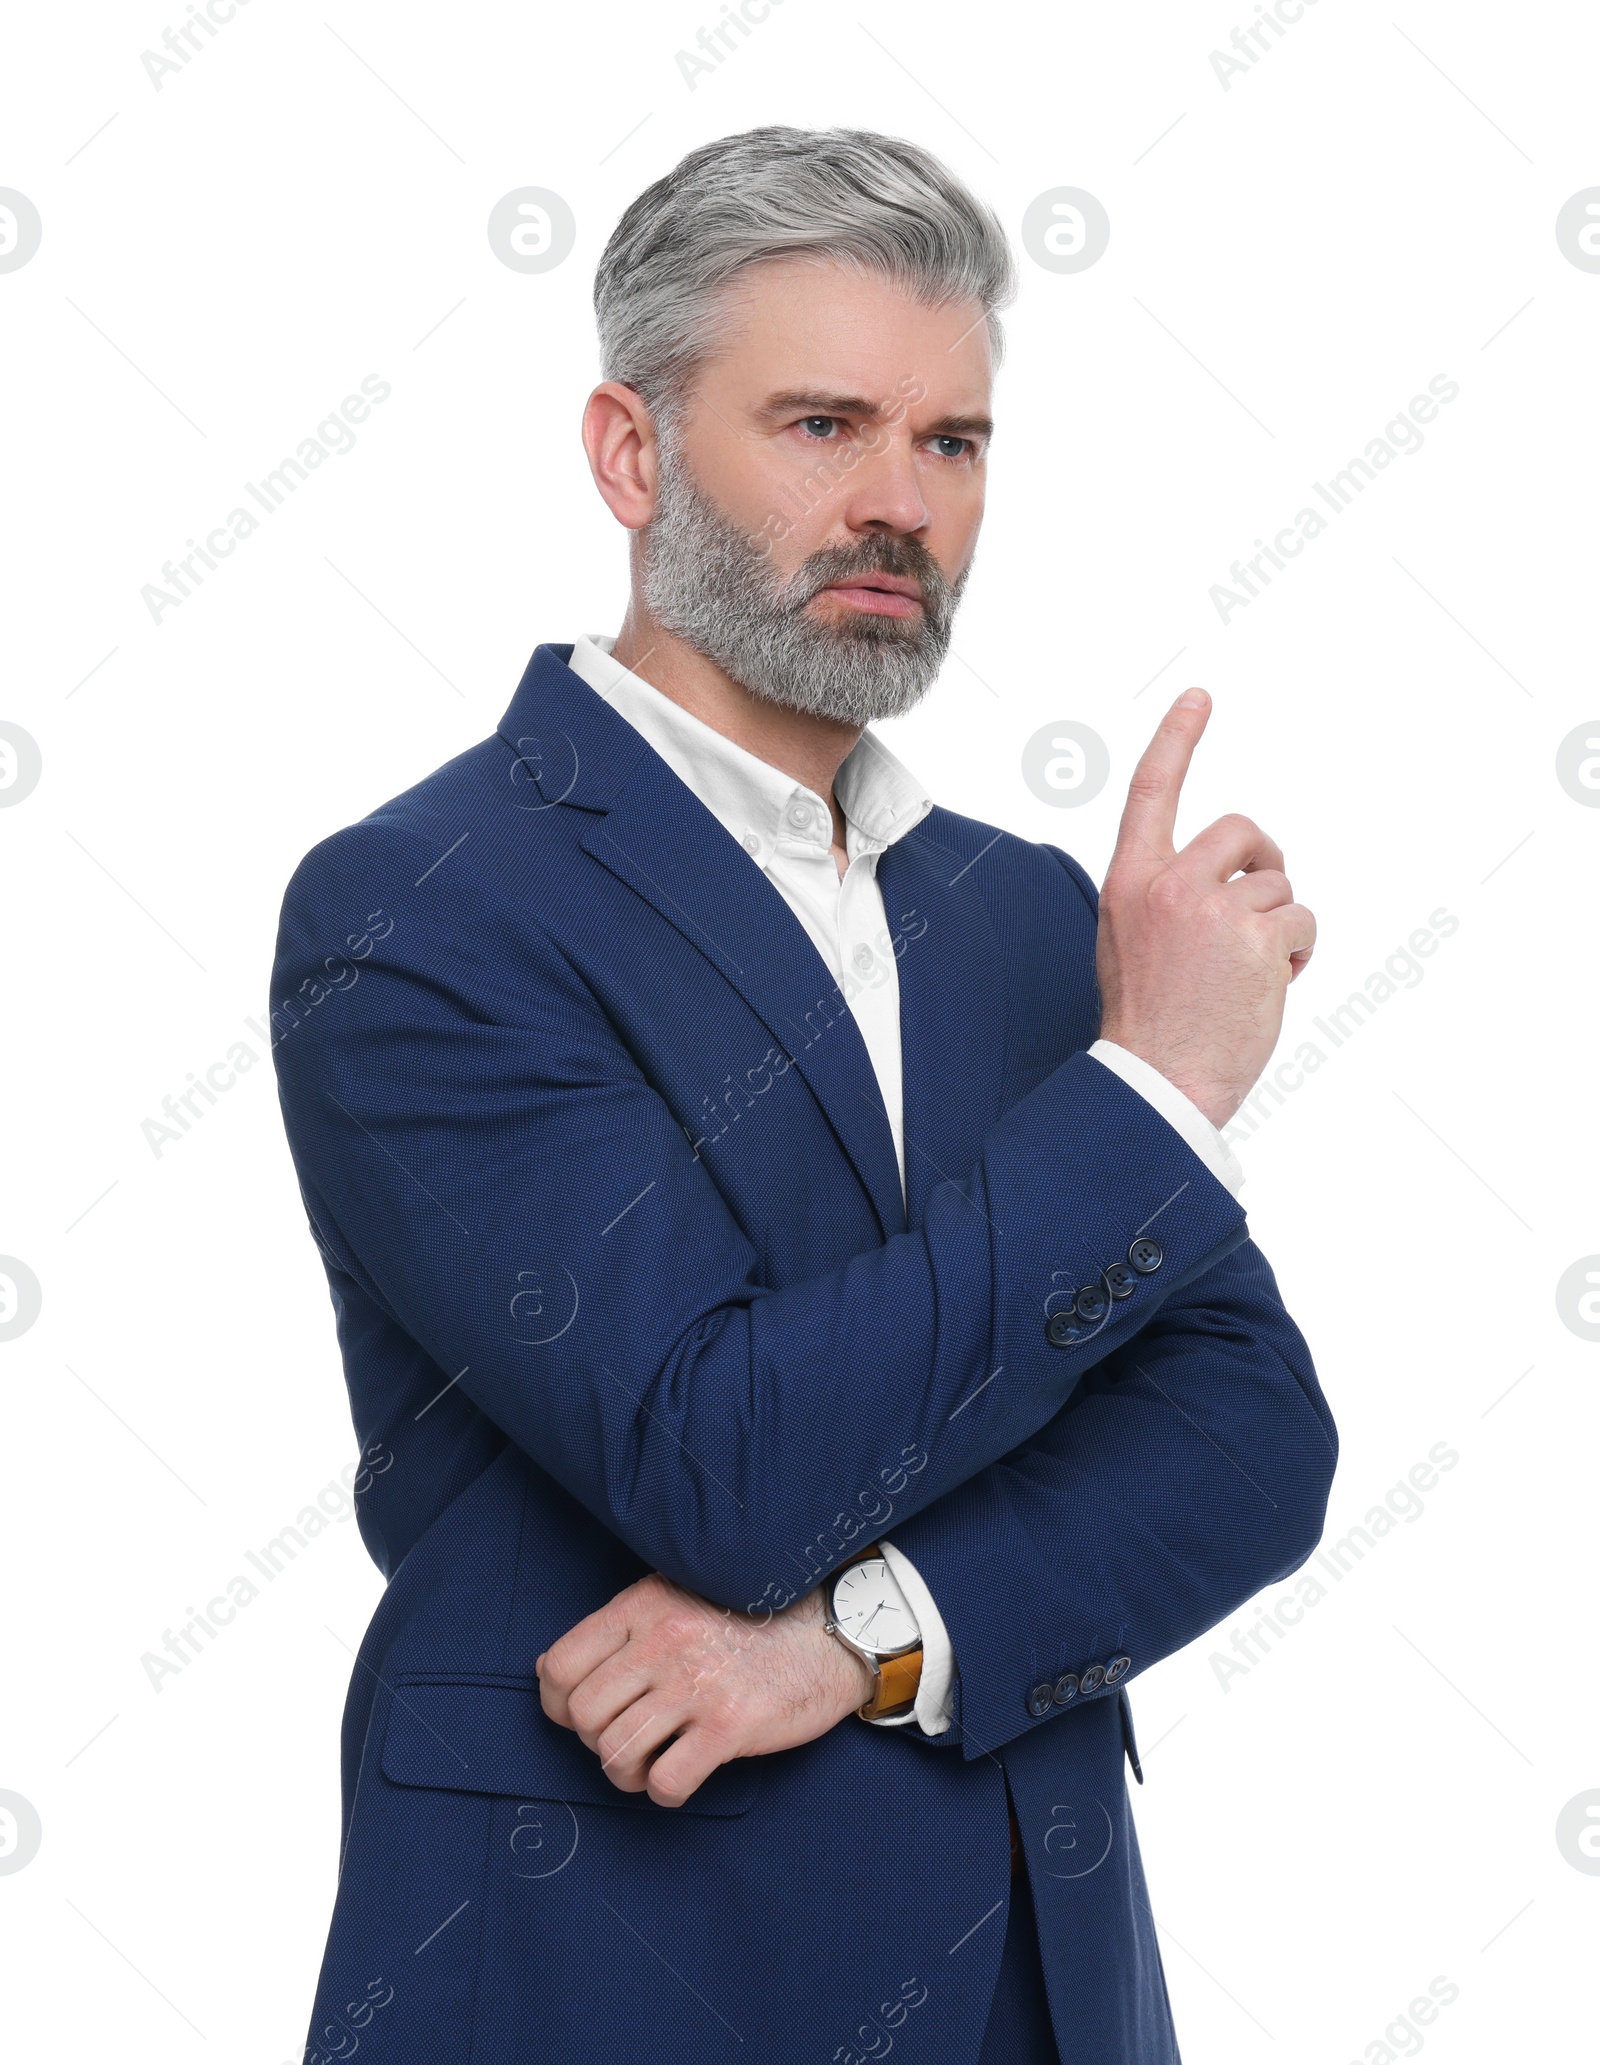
849	195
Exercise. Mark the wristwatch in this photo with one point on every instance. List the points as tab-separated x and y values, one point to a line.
870	1614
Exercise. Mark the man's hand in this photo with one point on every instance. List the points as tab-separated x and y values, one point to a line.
1194	956
664	1686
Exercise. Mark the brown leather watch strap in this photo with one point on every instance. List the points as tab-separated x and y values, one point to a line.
896	1690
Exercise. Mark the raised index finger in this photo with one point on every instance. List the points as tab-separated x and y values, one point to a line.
1151	812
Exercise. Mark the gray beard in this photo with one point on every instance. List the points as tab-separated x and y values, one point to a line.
710	584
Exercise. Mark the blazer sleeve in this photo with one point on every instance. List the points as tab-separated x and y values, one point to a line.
1190	1468
477	1148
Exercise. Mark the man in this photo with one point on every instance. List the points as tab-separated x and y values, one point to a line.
813	1342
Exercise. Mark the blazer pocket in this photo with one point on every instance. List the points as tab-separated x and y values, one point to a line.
452	1732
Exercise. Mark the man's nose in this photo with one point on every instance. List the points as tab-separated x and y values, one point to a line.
885	492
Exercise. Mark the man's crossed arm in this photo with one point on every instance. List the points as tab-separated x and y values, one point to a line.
1190	1469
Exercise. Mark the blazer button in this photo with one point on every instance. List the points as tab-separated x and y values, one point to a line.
1061	1329
1066	1688
1118	1669
1118	1280
1146	1256
1093	1678
1041	1699
1092	1302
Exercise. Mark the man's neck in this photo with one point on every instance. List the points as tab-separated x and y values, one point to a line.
809	749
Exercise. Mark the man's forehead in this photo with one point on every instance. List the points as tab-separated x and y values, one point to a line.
851	343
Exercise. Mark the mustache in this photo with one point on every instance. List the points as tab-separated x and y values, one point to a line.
908	558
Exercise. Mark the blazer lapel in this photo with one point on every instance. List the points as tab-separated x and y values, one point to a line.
662	841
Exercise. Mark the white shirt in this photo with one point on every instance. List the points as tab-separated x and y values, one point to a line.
787	830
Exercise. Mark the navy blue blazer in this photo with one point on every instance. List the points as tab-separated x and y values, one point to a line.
596	1162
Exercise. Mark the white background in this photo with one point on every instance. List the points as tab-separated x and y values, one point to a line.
1292	258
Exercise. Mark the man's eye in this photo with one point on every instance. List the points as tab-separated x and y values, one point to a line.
818	426
961	445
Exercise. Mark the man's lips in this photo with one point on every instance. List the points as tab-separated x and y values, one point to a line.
884	595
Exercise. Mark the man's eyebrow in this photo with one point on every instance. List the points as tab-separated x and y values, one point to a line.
809	402
806	401
961	426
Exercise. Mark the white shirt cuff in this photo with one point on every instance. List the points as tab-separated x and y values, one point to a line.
932	1710
1180	1112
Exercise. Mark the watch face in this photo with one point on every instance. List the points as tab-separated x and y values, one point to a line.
870	1608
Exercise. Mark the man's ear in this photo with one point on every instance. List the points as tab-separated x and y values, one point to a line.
620	440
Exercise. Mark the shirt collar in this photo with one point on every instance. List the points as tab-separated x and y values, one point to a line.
756	803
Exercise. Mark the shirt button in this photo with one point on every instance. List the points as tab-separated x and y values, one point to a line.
863	960
800	815
752	843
